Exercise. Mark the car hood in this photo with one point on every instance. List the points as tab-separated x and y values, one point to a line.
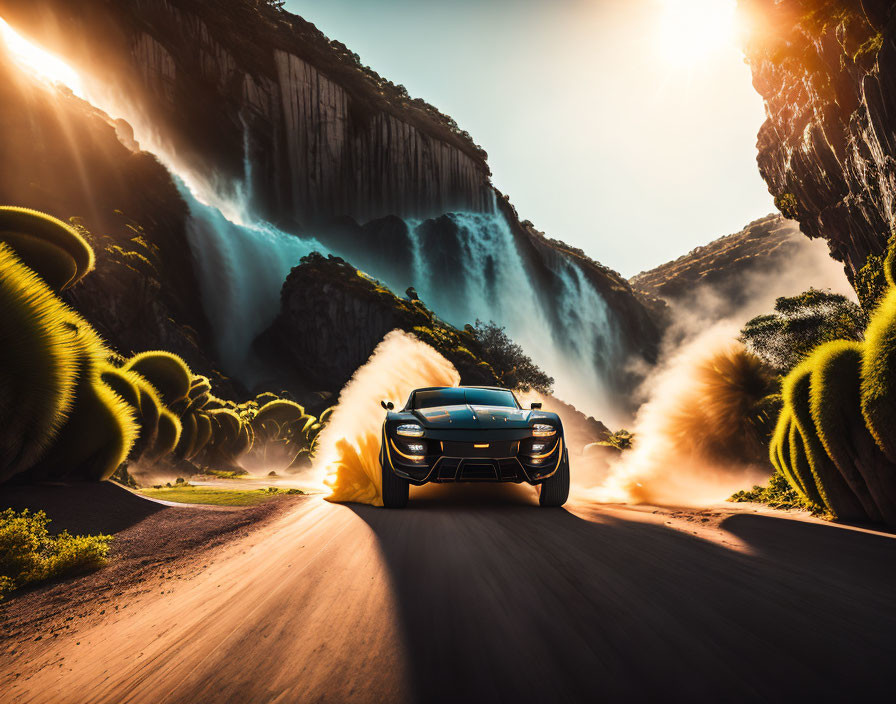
468	417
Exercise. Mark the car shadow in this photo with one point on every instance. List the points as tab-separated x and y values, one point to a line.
499	600
81	507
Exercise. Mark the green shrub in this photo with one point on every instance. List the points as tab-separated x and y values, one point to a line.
879	376
836	410
779	451
831	489
799	324
49	247
29	554
97	437
167	436
788	205
203	433
38	365
621	439
514	368
188	436
778	493
169	374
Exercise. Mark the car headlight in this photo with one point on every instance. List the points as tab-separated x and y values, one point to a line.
543	430
410	430
417	448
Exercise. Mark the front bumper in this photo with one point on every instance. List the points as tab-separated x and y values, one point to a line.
474	456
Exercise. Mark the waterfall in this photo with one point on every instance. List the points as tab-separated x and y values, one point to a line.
474	270
242	264
241	269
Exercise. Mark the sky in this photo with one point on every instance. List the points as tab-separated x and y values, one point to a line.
624	127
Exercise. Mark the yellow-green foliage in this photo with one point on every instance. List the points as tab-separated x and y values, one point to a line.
142	398
48	246
890	262
167	436
795	392
799	464
830	486
97	437
279	411
779	450
836	411
203	433
37	365
28	553
187	441
879	375
167	373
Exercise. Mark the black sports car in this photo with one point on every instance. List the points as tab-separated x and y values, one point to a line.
472	434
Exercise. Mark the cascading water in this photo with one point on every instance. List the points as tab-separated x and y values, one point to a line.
480	274
242	265
241	269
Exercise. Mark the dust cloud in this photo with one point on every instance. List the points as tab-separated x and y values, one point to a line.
692	445
347	459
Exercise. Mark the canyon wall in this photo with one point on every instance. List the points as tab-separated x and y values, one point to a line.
224	80
291	127
827	72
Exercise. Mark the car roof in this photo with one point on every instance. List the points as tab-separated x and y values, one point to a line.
439	388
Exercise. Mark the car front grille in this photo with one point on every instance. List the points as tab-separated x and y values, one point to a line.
469	449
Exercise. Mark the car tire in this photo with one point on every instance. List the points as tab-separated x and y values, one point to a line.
395	489
555	489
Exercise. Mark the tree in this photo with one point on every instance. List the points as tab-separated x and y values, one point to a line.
511	364
800	323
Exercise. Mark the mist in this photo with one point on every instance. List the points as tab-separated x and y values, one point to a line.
347	459
692	399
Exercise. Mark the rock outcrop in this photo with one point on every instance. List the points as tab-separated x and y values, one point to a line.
766	244
827	72
332	317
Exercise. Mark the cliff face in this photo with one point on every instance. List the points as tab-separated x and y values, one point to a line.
827	72
332	317
240	92
219	78
767	244
63	157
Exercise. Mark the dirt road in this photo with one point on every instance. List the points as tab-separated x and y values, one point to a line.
482	596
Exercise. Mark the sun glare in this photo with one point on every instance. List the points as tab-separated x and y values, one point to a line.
692	31
37	61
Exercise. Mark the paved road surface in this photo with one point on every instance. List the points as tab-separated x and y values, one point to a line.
482	596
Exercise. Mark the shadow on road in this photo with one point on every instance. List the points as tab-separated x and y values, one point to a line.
82	507
502	601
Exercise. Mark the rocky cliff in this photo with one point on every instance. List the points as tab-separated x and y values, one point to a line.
63	157
738	276
241	93
769	243
222	80
827	72
332	316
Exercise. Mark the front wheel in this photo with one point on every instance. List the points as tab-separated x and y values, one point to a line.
555	489
395	489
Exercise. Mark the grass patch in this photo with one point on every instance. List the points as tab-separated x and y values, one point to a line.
189	494
777	494
29	554
226	474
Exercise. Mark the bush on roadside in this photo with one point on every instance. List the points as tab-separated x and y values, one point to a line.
29	554
777	494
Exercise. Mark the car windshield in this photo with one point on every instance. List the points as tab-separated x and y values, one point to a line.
458	397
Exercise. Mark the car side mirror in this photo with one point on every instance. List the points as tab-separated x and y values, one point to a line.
536	405
388	405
